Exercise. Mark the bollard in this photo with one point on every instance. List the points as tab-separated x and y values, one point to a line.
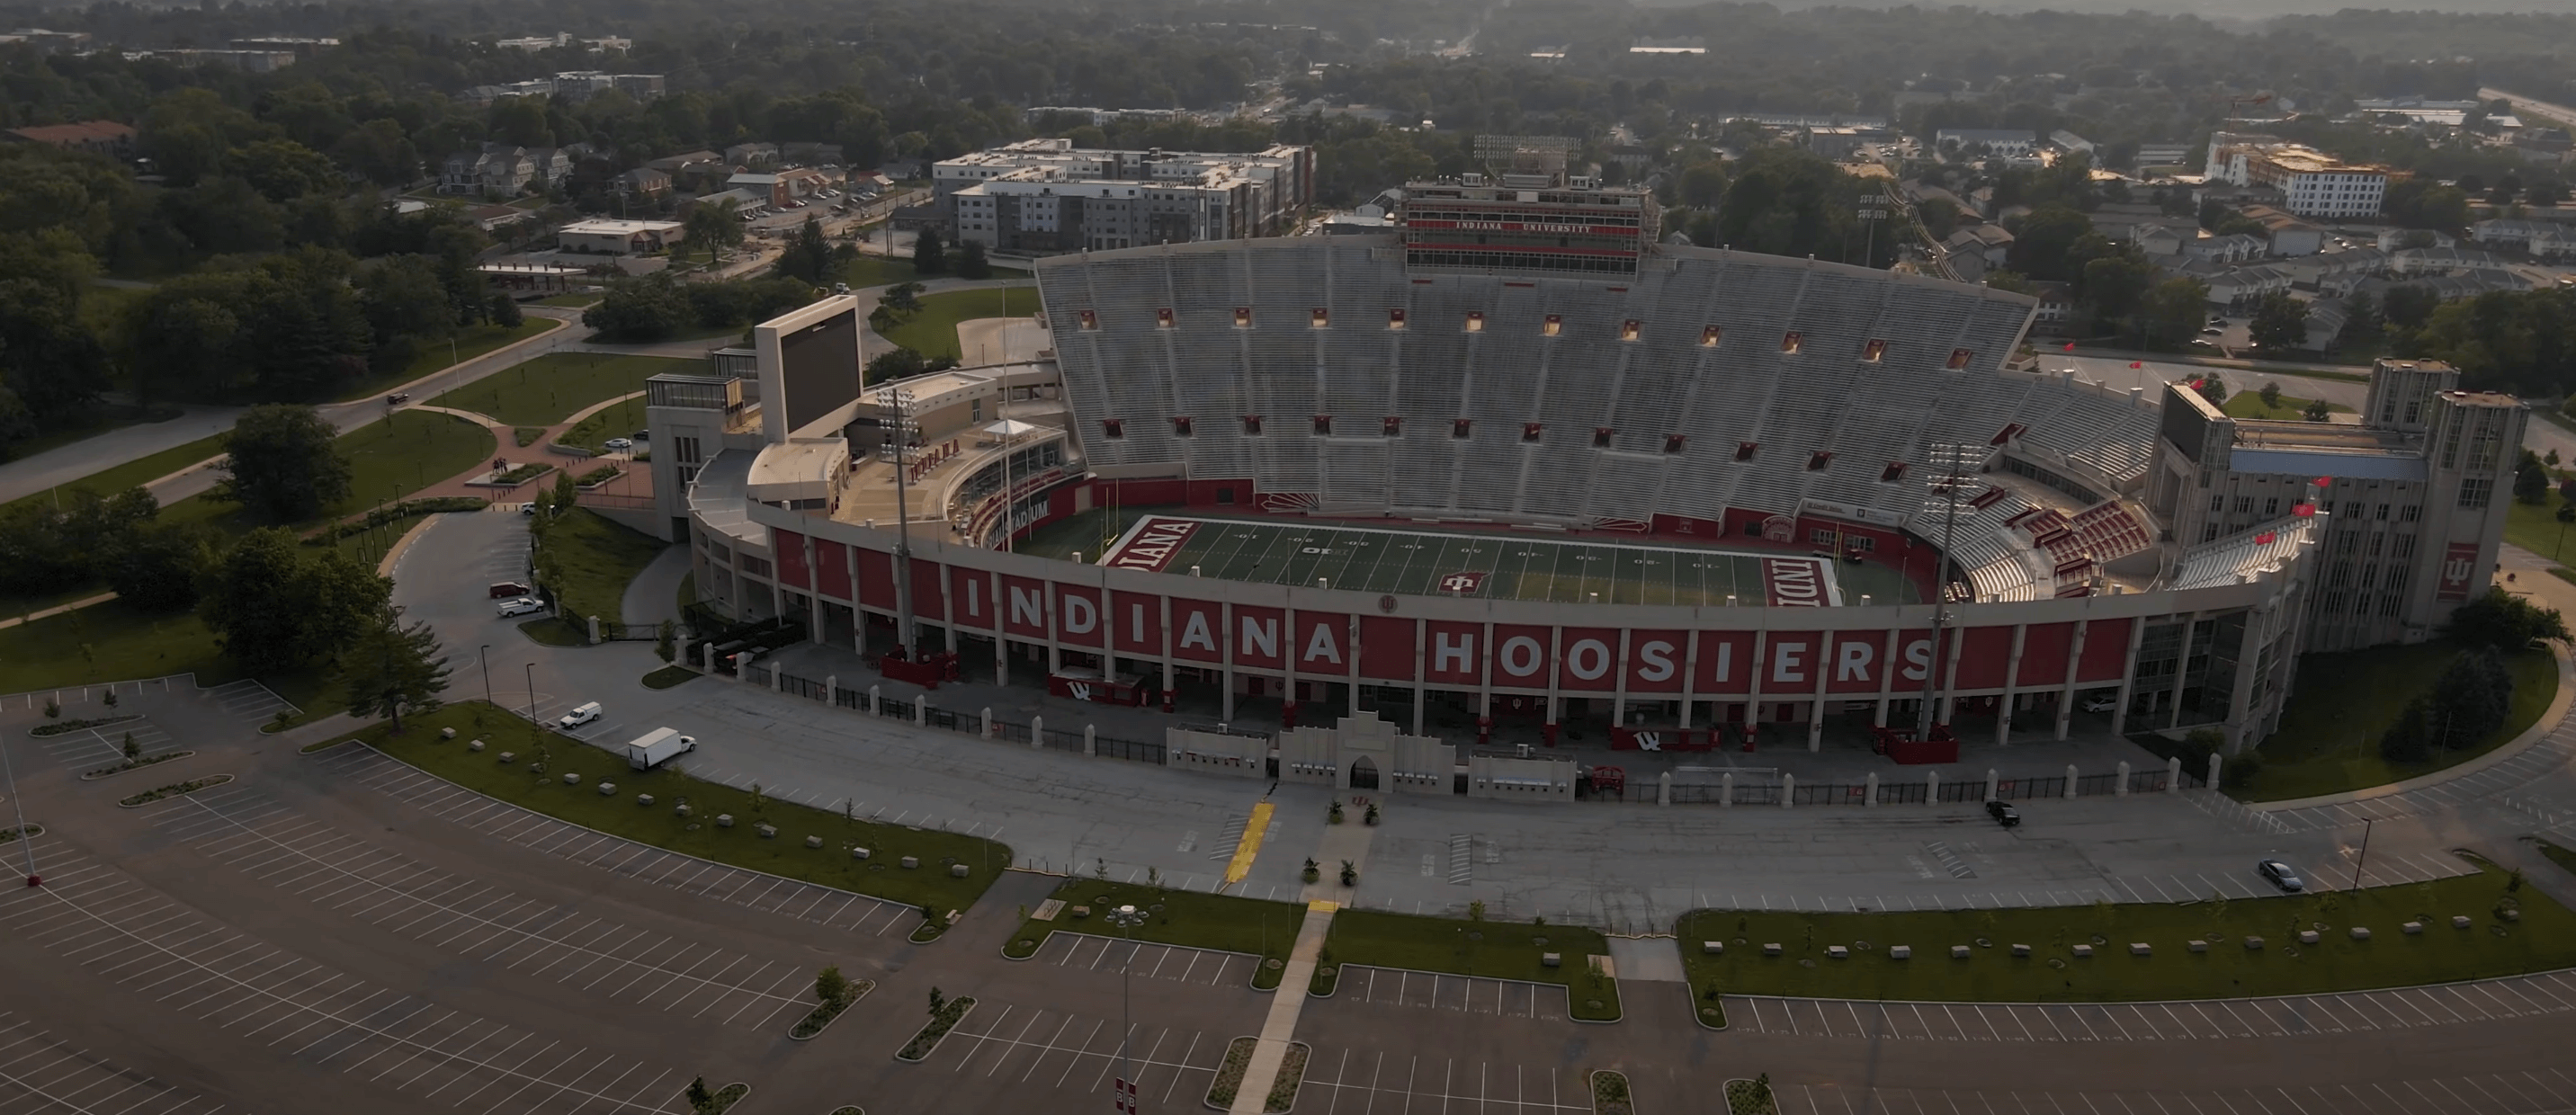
1037	732
594	630
1788	790
1726	790
1090	739
2213	771
990	729
1932	787
2122	788
1872	799
2070	782
2173	775
873	697
777	676
1664	788
1991	782
832	690
921	709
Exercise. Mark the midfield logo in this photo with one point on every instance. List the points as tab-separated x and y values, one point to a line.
1462	583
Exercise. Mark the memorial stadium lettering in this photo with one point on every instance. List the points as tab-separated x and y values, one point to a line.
1152	544
1794	582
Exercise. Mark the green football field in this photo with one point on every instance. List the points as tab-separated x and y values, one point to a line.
1496	566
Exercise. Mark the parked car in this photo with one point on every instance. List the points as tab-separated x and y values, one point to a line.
520	607
2101	702
617	444
2281	875
396	399
580	715
2004	814
2203	342
505	589
645	436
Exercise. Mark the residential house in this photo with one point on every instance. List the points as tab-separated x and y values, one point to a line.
103	137
2056	308
770	188
642	182
502	170
1973	250
607	237
2163	239
1971	142
2326	319
2121	220
2289	235
2233	248
2394	239
2542	239
2239	287
2442	261
494	218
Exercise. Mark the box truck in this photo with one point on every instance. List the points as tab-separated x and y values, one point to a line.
654	747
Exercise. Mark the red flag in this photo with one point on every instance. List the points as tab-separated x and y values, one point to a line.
2195	384
2264	539
2070	346
2137	363
2303	510
2325	481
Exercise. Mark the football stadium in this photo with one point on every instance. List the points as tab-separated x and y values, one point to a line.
1521	466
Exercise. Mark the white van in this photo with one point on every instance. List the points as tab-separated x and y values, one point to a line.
580	715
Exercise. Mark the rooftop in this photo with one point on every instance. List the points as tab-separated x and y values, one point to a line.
605	227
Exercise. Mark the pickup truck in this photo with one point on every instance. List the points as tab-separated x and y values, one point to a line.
655	747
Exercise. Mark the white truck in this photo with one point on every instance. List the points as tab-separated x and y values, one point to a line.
655	747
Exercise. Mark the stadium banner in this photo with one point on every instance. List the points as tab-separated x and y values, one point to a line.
1197	627
832	569
973	591
2459	567
1983	654
789	548
1849	513
1656	660
2044	647
1792	659
1078	620
1796	582
1151	544
1858	663
1258	637
1725	663
1386	647
1455	654
1589	661
1136	623
1024	607
1521	656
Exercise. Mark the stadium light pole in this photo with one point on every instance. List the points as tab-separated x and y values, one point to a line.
26	839
1126	917
1949	456
898	402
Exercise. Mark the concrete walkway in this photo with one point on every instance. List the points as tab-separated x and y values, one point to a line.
66	463
57	609
654	594
1285	1005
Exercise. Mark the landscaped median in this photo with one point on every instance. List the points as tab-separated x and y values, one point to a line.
1173	917
2396	936
1470	946
720	823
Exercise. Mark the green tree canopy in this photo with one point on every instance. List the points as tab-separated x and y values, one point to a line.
282	462
390	669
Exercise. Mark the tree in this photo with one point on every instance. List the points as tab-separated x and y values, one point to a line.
2407	740
2171	312
713	226
699	1098
2530	480
2472	698
2115	283
158	566
2504	621
831	987
2316	412
2280	323
2271	395
272	610
505	312
971	263
665	642
646	309
928	258
281	463
808	258
392	669
2212	388
2046	236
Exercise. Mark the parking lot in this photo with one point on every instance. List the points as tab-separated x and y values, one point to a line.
1472	994
91	748
538	940
106	922
39	1074
1147	960
838	909
1345	1081
2526	1093
1078	1055
2204	1020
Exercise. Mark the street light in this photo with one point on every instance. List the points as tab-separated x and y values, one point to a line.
532	693
1126	917
483	658
25	839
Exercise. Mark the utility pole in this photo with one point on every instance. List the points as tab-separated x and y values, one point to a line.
2364	857
1951	457
895	402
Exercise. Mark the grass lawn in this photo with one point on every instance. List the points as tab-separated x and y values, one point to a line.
2249	404
1179	917
2536	528
933	331
141	470
550	388
616	420
2544	939
600	559
123	642
579	301
2562	856
830	865
389	459
868	271
2329	737
470	342
1467	947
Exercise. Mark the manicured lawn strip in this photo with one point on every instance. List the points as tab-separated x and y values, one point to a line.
669	676
2249	404
698	835
2535	527
1208	921
600	559
2558	854
471	342
871	270
1506	950
2544	939
139	471
581	301
927	1038
933	331
389	459
2343	703
551	387
616	420
124	643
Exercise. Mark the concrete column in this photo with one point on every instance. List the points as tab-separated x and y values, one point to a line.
2012	687
707	656
1171	682
1872	799
2128	675
947	606
1816	707
2066	692
1001	627
1991	781
594	630
876	693
2121	789
990	729
1788	790
1225	637
2182	672
1091	739
921	709
1351	646
858	615
1753	681
777	676
1726	790
1421	684
2070	782
1950	674
1555	667
2173	775
1690	674
1932	787
2214	761
1037	733
831	690
1888	667
1664	788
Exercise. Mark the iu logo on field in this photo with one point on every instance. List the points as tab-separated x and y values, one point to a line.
1462	583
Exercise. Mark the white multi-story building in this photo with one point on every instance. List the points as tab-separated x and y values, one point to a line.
1046	195
2312	183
